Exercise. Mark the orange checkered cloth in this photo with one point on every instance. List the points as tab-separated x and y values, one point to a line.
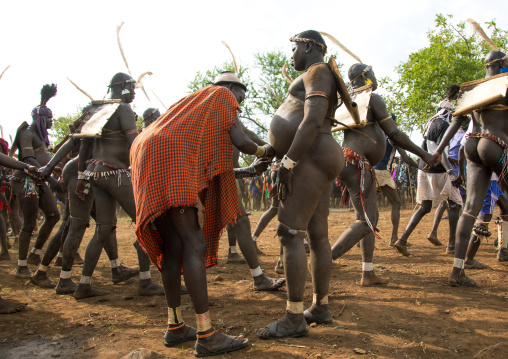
183	155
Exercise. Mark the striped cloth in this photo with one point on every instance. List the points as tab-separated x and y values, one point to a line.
185	155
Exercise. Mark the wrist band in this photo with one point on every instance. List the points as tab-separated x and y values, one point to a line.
81	176
287	163
260	152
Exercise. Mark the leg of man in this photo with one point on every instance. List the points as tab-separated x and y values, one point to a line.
453	218
478	178
248	248
437	219
351	236
29	208
423	209
184	246
4	254
233	256
47	204
481	224
320	262
394	199
264	220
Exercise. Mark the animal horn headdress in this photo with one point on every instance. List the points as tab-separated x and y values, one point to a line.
80	89
478	29
285	74
4	71
232	55
344	48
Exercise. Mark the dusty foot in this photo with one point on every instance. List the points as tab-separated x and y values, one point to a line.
474	264
66	286
235	258
461	280
34	259
450	250
180	335
23	272
58	262
392	241
433	239
502	255
149	287
8	307
401	247
4	256
78	259
218	343
369	278
121	274
86	290
41	279
258	251
318	314
262	282
290	326
279	268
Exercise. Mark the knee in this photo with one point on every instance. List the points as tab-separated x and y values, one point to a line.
287	234
454	206
53	218
425	207
104	231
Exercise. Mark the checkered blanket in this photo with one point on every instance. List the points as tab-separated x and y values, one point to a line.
183	155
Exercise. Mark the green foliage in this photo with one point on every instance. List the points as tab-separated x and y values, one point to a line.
60	127
451	57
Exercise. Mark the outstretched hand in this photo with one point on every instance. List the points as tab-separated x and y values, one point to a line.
33	172
432	160
260	164
284	184
45	172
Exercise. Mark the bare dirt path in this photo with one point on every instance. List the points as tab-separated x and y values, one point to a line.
416	316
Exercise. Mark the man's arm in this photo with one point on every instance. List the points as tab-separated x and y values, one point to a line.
378	106
317	80
252	135
127	120
245	144
450	132
12	163
61	153
404	156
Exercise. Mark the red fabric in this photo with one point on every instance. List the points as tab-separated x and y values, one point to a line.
187	153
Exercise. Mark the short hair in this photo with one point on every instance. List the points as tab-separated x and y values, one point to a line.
452	92
355	70
120	78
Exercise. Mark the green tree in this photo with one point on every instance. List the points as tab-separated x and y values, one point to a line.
60	127
452	56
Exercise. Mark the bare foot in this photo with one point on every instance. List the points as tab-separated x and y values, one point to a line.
502	255
149	287
23	272
369	278
10	306
41	279
4	256
450	250
86	290
34	259
66	286
262	282
401	247
434	240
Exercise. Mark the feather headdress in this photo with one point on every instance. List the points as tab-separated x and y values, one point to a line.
344	48
47	92
478	29
232	55
286	74
4	71
118	28
81	90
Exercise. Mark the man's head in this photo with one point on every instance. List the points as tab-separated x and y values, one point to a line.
495	63
122	86
309	47
232	82
150	115
42	116
361	75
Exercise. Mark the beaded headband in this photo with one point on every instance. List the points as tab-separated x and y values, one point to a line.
364	71
312	41
496	60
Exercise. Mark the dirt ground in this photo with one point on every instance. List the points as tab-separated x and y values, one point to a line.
416	316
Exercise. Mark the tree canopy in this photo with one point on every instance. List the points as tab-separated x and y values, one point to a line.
452	56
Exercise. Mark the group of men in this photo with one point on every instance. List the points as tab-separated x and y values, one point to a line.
181	190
